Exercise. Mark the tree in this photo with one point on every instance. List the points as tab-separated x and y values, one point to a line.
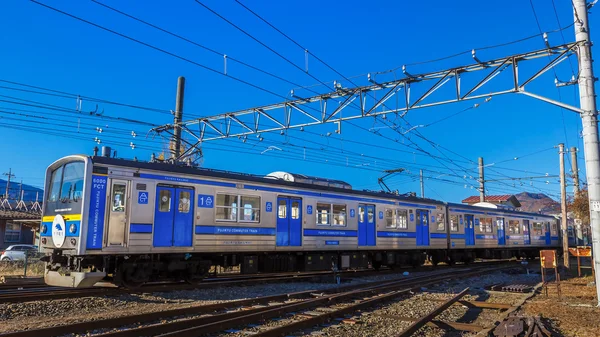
580	206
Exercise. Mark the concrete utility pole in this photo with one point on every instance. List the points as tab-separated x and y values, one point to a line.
563	205
481	181
422	186
589	117
575	170
9	175
178	117
575	175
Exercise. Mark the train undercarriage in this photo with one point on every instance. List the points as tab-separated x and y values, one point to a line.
134	270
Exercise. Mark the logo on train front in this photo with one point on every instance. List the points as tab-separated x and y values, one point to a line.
58	231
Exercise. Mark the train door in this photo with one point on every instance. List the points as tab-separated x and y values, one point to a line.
526	235
501	232
289	222
173	217
469	230
422	228
118	213
366	225
548	236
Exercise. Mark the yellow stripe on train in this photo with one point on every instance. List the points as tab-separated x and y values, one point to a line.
67	217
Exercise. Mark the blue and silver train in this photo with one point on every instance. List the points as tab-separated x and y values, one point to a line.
131	222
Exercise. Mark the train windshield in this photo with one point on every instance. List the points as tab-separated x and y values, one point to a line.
66	188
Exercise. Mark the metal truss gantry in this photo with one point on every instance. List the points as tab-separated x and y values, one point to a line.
351	103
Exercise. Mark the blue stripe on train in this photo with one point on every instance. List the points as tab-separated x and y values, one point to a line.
140	228
330	232
396	234
231	230
485	236
444	236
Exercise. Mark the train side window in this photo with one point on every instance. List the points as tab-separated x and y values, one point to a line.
441	222
251	208
226	207
339	215
184	202
485	225
282	209
164	204
514	227
537	228
295	210
554	228
454	223
390	221
118	197
402	218
323	214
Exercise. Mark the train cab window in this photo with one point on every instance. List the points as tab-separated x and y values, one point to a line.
72	182
485	225
184	202
118	197
295	210
164	203
282	209
454	223
402	219
514	227
339	215
441	222
55	187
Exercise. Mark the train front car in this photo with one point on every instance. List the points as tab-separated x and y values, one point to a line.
64	232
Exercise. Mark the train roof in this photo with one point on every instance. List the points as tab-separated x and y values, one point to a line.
171	168
167	167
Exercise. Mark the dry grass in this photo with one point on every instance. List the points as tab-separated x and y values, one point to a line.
575	314
16	268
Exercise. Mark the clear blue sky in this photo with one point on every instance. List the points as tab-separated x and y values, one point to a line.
50	50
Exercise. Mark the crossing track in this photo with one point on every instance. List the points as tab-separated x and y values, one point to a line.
222	316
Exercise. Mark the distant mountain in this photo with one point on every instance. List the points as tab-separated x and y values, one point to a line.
28	195
536	202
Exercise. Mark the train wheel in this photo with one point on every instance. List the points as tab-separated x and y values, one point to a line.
195	274
133	276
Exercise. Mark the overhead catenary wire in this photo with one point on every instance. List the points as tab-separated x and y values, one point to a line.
161	50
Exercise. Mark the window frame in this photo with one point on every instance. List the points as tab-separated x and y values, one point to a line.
12	232
452	223
484	226
123	200
239	208
331	216
398	215
392	217
511	223
442	223
540	230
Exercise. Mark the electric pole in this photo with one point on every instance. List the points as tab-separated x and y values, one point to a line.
9	175
481	181
589	118
177	118
575	170
575	175
422	186
563	205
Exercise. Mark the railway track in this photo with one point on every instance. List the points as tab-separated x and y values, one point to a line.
313	309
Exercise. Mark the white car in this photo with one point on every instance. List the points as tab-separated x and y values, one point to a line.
17	252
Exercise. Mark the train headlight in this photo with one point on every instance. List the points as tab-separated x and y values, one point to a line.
44	241
73	228
73	241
